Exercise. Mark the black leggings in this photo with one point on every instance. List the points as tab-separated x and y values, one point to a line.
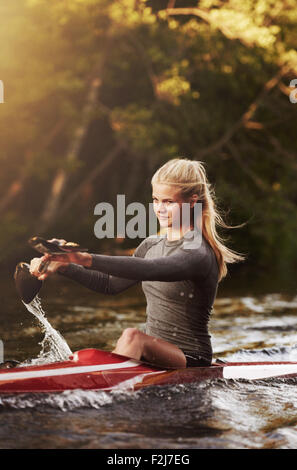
195	360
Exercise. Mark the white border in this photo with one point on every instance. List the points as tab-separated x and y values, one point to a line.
258	371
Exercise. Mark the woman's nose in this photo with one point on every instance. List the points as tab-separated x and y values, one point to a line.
161	207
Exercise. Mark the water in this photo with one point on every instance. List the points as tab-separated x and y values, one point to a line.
216	414
53	346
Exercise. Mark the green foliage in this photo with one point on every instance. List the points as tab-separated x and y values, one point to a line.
13	232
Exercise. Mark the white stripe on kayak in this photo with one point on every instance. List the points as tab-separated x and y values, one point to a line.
65	371
258	371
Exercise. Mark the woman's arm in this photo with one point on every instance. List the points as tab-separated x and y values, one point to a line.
186	265
95	280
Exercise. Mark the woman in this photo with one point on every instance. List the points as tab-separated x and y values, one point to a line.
179	278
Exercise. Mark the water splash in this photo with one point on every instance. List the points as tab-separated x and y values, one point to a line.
53	346
68	400
275	353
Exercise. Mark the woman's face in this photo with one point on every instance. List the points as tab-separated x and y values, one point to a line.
167	204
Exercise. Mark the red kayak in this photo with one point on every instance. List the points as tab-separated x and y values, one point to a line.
92	369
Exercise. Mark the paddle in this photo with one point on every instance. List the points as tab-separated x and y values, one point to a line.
28	285
54	247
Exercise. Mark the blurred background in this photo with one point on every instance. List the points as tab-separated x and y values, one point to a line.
99	93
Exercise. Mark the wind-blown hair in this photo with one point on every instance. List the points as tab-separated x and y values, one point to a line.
190	176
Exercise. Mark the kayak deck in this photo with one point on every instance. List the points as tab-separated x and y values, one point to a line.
93	369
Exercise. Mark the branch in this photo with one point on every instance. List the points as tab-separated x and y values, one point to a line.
292	157
100	168
246	117
245	120
147	62
251	174
94	173
206	16
171	4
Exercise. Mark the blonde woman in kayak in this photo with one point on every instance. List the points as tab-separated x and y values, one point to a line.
179	279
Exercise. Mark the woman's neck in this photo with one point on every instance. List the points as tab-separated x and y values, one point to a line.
177	234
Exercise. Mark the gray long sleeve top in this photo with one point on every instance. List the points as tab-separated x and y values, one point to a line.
179	281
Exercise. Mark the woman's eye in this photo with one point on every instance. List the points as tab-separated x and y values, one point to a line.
166	202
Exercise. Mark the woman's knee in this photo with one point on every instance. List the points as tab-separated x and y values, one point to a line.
130	335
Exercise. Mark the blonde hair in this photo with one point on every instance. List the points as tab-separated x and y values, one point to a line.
190	176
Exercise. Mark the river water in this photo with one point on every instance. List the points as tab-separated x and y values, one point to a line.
216	414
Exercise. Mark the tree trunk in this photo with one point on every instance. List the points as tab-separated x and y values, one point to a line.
51	208
17	186
92	176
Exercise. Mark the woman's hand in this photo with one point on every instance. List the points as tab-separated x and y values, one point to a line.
83	259
52	267
60	241
56	263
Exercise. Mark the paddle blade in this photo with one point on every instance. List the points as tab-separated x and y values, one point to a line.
27	285
54	246
10	363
